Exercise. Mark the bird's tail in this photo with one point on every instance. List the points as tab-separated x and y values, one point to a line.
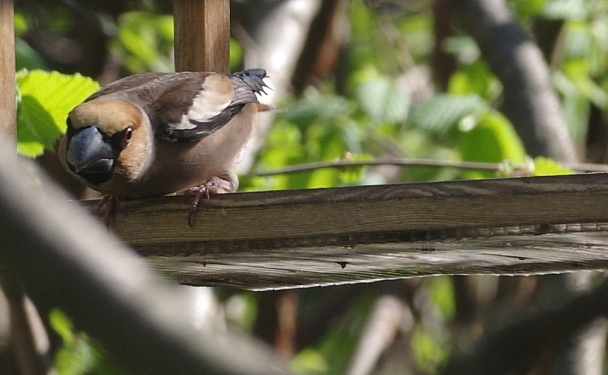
254	78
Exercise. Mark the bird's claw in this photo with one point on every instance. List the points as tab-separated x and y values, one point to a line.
214	186
110	203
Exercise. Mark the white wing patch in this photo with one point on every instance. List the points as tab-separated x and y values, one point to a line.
215	95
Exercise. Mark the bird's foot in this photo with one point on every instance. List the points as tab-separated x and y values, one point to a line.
110	203
214	186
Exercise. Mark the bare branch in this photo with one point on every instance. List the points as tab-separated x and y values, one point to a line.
412	162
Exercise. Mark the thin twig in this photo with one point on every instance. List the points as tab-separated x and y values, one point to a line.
412	162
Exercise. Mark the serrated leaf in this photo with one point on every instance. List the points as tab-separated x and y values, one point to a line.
305	112
383	101
45	101
442	113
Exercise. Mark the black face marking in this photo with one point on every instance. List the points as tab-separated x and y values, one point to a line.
92	155
121	139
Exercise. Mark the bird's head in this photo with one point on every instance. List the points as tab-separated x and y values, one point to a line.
104	138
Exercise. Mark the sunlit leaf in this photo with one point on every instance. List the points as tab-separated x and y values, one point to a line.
443	112
316	108
492	139
62	325
428	351
78	354
44	103
548	167
474	78
383	100
78	357
442	292
146	40
309	362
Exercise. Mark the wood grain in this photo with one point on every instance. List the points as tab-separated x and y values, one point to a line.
8	129
302	237
202	35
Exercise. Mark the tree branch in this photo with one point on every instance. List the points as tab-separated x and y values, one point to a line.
67	259
529	100
411	162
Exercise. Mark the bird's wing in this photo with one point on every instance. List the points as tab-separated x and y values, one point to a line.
125	84
195	105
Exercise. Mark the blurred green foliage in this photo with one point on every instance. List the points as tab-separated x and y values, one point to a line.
79	354
373	112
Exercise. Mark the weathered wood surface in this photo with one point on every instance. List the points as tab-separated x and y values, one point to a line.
202	35
340	235
8	129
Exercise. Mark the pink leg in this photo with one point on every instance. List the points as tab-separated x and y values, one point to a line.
214	186
110	202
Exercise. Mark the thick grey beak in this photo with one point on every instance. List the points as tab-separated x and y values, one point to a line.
89	152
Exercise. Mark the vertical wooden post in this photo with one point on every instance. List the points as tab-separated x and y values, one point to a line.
202	35
8	129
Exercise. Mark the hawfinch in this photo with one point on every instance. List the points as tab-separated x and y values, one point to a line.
153	134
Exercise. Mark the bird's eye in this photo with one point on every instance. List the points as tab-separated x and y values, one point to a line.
127	134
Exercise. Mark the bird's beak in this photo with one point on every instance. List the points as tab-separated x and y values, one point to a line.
88	151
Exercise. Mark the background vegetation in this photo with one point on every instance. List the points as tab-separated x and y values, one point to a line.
397	81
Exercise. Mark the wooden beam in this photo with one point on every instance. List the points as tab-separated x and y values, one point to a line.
202	35
8	129
340	235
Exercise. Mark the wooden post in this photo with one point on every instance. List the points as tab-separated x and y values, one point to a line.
8	129
202	35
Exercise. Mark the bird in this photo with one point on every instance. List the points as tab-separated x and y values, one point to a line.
154	134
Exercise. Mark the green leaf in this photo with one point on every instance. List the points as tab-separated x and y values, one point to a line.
382	100
525	8
442	113
62	325
565	9
43	105
27	57
146	41
475	78
309	362
76	358
429	351
492	139
442	293
316	108
352	175
549	167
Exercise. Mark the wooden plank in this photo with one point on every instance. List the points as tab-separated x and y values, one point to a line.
8	129
282	268
237	238
202	35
